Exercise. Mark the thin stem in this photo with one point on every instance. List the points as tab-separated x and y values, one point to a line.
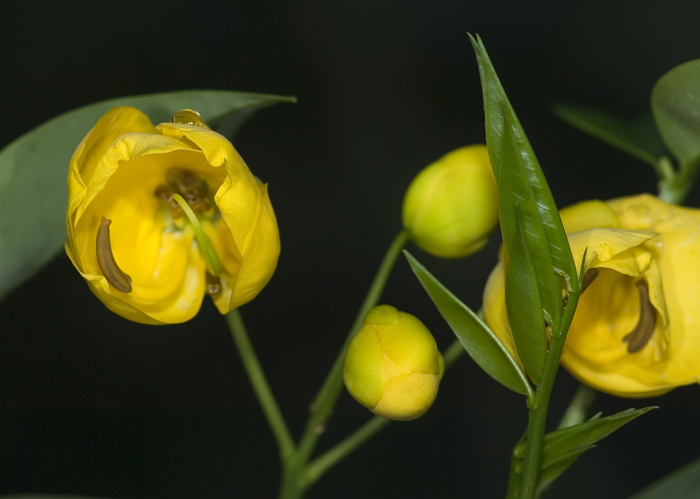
293	482
538	411
330	458
452	353
675	189
260	384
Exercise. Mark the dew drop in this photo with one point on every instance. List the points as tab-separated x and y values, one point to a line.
188	117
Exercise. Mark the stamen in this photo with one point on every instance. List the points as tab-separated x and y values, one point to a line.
188	184
105	259
640	335
205	246
213	284
165	193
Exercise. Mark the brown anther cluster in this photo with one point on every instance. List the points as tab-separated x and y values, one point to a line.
213	284
186	183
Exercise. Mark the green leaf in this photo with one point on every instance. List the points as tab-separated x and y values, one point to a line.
524	307
477	339
684	482
34	168
520	180
640	138
552	469
562	447
675	102
519	212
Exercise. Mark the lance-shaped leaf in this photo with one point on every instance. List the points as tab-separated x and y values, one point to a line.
509	152
639	138
520	217
524	305
675	102
33	169
477	339
562	447
684	482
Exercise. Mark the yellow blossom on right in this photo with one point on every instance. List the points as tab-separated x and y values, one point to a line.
636	332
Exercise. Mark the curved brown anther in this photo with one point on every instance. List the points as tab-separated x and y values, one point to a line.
642	332
105	259
213	284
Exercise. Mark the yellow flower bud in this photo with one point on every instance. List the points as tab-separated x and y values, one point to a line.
392	365
132	240
451	206
636	331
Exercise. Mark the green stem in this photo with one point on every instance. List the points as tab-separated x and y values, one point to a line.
260	384
323	463
675	186
293	481
330	458
538	410
576	413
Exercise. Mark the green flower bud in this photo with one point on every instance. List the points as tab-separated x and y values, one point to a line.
392	365
451	206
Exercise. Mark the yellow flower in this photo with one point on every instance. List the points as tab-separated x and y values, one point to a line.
392	365
451	206
636	332
131	241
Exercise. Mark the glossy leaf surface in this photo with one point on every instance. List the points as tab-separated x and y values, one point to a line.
475	336
524	307
499	116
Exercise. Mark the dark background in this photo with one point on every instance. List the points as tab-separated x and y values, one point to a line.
93	404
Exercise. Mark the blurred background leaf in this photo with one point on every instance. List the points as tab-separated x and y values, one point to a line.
640	137
675	101
683	483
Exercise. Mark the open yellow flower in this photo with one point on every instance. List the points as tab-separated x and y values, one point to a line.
636	332
130	239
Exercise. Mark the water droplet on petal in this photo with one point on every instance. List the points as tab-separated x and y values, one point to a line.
188	117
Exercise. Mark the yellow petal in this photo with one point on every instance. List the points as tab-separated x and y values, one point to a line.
259	256
409	345
495	314
588	215
607	247
408	397
363	371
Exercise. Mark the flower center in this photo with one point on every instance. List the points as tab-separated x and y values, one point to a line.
187	184
185	193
